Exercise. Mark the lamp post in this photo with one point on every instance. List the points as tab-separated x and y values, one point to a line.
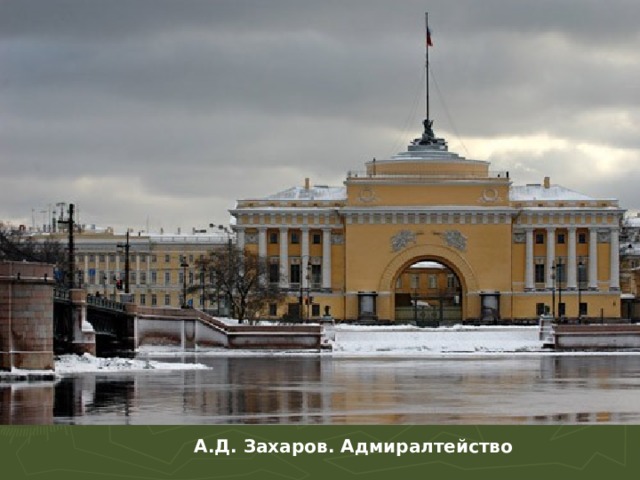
559	275
580	269
127	265
184	266
202	285
229	234
553	291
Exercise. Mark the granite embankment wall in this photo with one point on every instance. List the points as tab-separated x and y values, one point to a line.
26	316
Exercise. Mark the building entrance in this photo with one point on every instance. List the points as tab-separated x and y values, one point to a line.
428	293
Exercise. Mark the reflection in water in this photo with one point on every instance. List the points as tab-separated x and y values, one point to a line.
308	390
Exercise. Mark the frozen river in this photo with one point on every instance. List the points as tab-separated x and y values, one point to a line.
508	389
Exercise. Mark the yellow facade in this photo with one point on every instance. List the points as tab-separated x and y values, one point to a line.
516	251
157	272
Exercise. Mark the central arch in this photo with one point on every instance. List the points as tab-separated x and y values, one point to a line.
446	256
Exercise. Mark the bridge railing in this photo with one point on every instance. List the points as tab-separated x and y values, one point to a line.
61	294
102	302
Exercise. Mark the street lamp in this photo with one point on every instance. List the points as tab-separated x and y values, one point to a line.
229	234
559	275
184	266
553	291
580	274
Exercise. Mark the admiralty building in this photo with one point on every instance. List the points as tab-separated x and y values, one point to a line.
430	235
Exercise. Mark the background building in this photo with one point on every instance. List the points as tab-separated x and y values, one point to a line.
160	265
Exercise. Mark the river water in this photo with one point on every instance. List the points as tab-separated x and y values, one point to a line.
543	389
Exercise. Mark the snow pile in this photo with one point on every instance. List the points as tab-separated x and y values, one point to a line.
434	341
66	364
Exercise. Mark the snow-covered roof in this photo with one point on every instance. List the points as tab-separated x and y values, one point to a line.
633	222
524	193
317	192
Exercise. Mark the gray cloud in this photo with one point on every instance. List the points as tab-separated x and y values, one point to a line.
177	108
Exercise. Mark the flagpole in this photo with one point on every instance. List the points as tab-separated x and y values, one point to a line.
426	32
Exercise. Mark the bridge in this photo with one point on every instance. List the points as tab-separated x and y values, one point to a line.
80	319
38	319
103	327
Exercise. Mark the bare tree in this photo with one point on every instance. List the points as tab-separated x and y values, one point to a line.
18	245
242	278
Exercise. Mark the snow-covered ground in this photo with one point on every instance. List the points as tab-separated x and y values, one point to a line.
66	364
414	341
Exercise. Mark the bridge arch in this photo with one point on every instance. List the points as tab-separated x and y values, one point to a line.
446	256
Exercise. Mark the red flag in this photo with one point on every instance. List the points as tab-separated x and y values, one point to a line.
429	42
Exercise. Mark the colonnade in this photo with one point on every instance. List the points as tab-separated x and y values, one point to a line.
572	259
305	256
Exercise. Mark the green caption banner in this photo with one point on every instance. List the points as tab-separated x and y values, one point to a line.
327	452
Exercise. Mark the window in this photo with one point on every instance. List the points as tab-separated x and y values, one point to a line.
561	238
399	282
415	281
273	309
273	238
274	273
539	273
539	238
143	258
167	299
560	275
167	278
433	280
101	257
154	300
295	238
451	281
143	278
180	277
143	299
316	238
316	276
167	258
582	238
154	277
541	309
294	274
561	309
583	308
154	258
315	310
190	278
92	258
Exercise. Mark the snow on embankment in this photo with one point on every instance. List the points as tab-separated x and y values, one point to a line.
66	364
409	340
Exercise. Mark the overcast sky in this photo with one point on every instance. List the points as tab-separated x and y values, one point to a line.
164	112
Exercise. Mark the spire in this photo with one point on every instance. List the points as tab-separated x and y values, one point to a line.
428	137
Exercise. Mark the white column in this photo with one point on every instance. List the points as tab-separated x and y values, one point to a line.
240	238
262	242
529	283
326	258
551	257
137	282
572	261
593	258
614	278
304	257
284	257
